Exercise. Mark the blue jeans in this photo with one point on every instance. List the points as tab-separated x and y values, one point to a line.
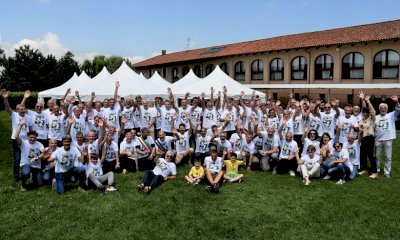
17	158
78	172
341	168
152	180
26	172
354	173
48	175
325	167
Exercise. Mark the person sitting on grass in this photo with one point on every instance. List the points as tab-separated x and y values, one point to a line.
163	171
213	171
341	164
232	166
310	164
94	172
64	159
196	173
30	157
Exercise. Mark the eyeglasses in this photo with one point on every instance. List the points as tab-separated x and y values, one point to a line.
337	146
312	133
168	156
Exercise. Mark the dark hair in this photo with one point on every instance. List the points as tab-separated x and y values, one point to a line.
32	133
234	154
365	110
66	137
322	137
309	133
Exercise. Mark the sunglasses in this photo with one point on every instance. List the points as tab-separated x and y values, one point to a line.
337	146
168	156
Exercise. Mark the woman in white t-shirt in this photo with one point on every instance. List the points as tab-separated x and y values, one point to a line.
309	164
341	164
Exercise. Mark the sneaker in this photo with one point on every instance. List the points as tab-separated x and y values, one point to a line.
274	171
216	187
111	189
140	187
123	172
363	172
80	189
240	180
147	189
224	181
23	189
374	176
208	188
53	184
102	190
291	173
387	175
340	182
307	182
327	177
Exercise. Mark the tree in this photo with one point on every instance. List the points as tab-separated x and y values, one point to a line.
113	63
65	68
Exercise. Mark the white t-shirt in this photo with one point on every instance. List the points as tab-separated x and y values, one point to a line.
39	121
248	147
166	119
142	145
213	166
97	113
328	123
79	125
385	126
29	151
346	130
94	147
270	142
146	117
308	161
15	118
196	114
202	143
128	114
164	168
237	143
234	117
314	122
210	118
111	151
223	145
128	147
287	149
182	117
343	154
65	160
56	126
182	144
354	152
112	117
288	127
298	125
94	169
258	141
164	144
307	142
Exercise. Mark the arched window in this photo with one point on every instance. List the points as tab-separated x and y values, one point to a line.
240	71
386	65
324	67
197	70
185	70
299	68
353	66
224	67
257	70
175	74
276	69
209	69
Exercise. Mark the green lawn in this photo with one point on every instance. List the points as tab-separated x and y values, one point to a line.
264	206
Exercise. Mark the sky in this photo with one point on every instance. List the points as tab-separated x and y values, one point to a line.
141	29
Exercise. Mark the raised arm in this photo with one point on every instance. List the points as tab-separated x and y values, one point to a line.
66	94
78	96
27	94
5	94
19	128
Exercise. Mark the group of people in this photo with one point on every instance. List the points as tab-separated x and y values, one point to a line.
215	135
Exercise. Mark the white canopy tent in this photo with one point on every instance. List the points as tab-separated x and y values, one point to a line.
189	79
217	79
85	89
157	79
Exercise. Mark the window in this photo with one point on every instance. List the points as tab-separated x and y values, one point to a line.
224	67
257	70
275	96
324	67
240	71
185	70
175	74
350	99
353	66
209	69
299	68
197	70
276	69
386	65
164	72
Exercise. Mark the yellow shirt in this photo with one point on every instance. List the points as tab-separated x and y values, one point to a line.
232	167
196	172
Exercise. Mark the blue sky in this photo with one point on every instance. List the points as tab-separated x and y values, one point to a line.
141	29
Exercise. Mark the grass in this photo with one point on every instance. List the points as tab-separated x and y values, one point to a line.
262	207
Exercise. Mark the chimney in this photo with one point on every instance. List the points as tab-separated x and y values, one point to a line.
163	52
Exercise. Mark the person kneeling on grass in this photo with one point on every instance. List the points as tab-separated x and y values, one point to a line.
196	173
164	170
94	172
214	173
232	166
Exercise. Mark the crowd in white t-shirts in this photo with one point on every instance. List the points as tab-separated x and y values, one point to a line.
90	141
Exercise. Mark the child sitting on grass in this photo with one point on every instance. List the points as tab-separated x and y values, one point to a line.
232	166
196	173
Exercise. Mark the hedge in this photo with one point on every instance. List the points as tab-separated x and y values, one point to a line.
16	97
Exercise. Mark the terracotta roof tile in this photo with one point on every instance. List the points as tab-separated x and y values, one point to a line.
348	35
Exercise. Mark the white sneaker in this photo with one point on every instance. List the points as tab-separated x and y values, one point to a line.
327	177
53	184
340	182
307	182
291	173
111	189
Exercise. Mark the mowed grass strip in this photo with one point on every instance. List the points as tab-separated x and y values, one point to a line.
263	206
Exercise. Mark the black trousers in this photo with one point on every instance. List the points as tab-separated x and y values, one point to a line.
367	153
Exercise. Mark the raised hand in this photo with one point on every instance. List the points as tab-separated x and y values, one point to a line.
187	94
203	95
169	90
174	116
277	103
22	121
68	91
361	94
367	97
212	90
253	93
117	84
27	94
93	95
71	120
241	93
219	93
255	122
124	119
76	93
101	123
225	90
4	93
395	98
188	115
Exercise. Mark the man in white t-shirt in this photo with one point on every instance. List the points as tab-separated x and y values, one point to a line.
287	157
65	158
128	155
15	119
269	150
385	133
39	122
213	171
167	117
182	144
31	152
163	171
346	125
148	117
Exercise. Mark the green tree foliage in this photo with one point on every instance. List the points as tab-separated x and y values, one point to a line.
29	69
93	67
